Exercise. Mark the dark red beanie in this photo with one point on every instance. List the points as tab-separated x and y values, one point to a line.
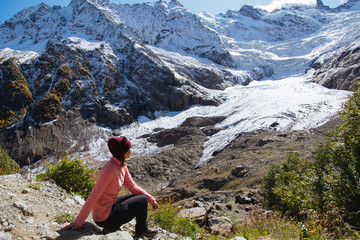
118	146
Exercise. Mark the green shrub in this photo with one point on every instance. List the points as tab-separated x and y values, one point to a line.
35	186
7	164
287	187
166	217
71	175
64	218
337	164
329	185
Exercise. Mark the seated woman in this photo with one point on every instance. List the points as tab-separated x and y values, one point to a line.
108	209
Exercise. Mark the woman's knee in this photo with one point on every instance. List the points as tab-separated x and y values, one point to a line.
143	199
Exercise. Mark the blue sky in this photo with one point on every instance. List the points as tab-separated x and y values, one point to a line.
9	8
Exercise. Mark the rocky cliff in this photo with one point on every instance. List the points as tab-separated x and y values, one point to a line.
339	69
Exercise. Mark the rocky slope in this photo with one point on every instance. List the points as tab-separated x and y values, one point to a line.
221	194
240	165
29	210
339	69
229	186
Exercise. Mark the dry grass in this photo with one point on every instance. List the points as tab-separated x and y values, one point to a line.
268	226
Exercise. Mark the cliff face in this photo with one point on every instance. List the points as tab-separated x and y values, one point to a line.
112	67
339	69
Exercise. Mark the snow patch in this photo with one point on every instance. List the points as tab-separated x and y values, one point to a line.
21	56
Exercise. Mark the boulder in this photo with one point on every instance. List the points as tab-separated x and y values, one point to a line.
118	235
239	171
243	199
23	207
221	225
5	236
198	213
214	184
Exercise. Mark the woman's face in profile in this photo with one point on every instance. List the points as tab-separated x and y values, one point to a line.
127	154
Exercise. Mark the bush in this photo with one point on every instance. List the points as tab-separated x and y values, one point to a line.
64	218
7	164
71	175
286	187
338	164
34	186
329	185
166	217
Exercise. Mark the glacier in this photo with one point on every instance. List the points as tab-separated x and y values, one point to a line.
292	103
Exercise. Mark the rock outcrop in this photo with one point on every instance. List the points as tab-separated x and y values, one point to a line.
340	69
33	210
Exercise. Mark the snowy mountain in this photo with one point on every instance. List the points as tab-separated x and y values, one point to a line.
134	69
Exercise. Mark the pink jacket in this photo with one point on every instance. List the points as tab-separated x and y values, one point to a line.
111	178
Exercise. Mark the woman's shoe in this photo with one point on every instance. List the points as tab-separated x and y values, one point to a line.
148	233
106	231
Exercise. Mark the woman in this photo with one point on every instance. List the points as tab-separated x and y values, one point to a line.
108	209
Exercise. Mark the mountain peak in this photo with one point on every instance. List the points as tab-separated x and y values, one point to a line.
250	11
320	5
76	3
32	12
175	3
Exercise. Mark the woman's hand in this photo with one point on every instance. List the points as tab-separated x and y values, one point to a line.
155	205
72	225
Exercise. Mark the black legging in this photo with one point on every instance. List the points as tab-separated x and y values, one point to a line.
124	210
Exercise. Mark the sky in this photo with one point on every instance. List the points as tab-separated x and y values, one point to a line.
9	8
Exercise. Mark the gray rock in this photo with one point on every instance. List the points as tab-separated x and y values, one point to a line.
87	229
5	236
243	200
25	191
214	184
51	235
239	171
118	235
339	69
221	225
238	238
20	204
198	213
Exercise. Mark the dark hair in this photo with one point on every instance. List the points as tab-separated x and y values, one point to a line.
121	159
